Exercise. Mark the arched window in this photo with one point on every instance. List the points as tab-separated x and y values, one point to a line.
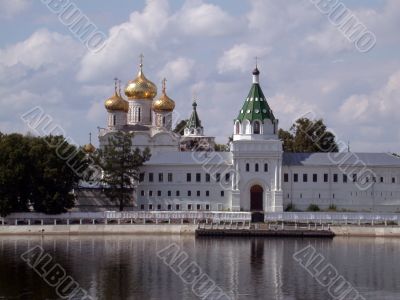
163	121
247	167
265	167
256	167
237	130
114	120
139	115
256	127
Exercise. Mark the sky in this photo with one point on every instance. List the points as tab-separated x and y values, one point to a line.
206	49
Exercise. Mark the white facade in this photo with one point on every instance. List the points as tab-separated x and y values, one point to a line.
255	175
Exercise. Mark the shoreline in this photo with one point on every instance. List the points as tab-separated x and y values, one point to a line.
170	229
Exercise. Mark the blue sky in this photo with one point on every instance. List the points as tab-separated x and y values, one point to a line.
206	48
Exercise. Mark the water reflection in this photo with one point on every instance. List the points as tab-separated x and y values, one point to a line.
127	267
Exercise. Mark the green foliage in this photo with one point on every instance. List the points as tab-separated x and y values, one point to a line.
180	127
221	148
313	207
307	135
332	207
121	165
291	207
36	172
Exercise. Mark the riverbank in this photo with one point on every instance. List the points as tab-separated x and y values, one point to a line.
102	229
170	229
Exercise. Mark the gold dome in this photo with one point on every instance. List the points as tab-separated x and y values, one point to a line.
89	148
164	103
140	87
116	103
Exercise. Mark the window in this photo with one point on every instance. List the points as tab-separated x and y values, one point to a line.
159	193
301	195
326	177
265	167
208	177
207	206
188	177
305	177
218	177
198	193
169	193
141	177
256	168
170	177
286	177
150	193
189	206
227	177
198	206
393	180
237	127
177	193
189	193
247	167
198	177
374	179
333	196
142	206
169	207
150	206
315	177
177	207
295	177
344	178
151	177
207	193
256	128
354	177
159	207
222	193
335	177
139	115
160	177
141	193
381	179
114	118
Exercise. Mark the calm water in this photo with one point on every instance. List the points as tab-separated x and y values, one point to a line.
125	267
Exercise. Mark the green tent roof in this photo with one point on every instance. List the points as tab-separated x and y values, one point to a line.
194	120
255	106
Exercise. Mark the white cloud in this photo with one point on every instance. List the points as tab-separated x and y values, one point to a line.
126	41
379	107
42	49
11	8
198	18
239	57
178	70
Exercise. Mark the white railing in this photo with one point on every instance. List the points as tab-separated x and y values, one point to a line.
331	217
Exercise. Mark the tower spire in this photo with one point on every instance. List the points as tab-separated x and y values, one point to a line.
141	56
115	85
164	85
256	73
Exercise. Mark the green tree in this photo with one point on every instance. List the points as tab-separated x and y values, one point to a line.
121	165
180	127
307	135
37	173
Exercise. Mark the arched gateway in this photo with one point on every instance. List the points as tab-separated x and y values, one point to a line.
256	198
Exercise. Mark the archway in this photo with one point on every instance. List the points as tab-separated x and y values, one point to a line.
256	198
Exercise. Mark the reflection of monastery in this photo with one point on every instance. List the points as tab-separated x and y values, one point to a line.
184	172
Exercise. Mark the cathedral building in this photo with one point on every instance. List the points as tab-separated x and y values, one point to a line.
185	173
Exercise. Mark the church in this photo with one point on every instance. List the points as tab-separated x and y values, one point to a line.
185	173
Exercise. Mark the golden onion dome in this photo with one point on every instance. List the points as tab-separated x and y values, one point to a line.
140	87
164	103
116	103
89	148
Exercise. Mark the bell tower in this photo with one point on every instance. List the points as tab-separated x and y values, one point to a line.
257	154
